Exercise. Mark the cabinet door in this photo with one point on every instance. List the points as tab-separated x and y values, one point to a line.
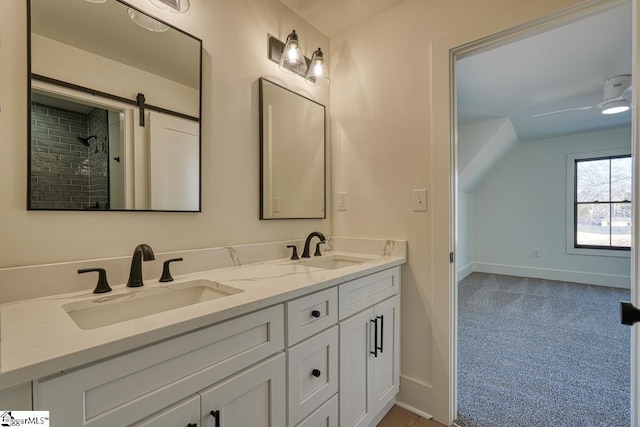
355	397
324	416
255	397
385	361
183	414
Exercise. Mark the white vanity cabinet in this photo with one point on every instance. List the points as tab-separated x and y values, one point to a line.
125	389
328	358
17	398
369	347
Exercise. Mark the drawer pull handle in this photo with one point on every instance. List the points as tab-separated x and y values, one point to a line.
216	416
375	337
316	373
381	333
315	313
192	425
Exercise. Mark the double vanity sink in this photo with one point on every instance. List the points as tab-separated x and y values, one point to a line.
134	303
43	336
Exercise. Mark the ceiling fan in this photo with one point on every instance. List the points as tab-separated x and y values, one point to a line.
616	98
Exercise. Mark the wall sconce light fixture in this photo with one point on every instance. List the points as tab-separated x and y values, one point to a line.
318	75
290	58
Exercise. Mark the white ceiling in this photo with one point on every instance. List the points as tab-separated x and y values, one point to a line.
106	29
561	68
332	17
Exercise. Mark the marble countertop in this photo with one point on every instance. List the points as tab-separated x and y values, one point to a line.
38	338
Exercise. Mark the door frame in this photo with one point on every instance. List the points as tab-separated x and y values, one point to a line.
447	317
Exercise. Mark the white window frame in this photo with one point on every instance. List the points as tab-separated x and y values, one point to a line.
571	162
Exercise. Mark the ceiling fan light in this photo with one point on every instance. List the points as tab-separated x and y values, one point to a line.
615	107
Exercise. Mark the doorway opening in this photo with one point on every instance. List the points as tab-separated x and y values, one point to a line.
539	341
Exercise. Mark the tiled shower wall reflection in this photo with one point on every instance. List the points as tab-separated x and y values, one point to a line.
65	174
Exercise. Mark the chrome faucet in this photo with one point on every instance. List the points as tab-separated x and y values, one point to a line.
141	253
305	253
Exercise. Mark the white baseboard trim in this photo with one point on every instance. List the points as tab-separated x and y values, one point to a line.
414	410
465	271
616	281
415	393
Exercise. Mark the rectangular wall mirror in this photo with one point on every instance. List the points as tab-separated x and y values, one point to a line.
114	119
292	154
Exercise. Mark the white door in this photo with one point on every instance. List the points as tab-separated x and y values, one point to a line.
174	163
255	397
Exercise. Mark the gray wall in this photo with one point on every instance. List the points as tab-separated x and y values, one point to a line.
65	174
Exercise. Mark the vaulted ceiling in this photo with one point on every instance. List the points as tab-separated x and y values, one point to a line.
561	68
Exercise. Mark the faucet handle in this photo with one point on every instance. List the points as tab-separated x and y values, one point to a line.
103	285
166	272
317	253
294	255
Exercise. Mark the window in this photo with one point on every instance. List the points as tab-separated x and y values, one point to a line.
602	202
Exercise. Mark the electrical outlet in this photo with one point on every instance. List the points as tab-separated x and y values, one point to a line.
420	200
342	201
536	253
276	205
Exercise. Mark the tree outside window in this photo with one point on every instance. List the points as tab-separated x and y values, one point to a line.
602	203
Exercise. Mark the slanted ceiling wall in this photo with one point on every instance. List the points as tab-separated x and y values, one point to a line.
521	205
481	145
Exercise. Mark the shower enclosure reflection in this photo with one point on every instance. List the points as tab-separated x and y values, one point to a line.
88	152
75	155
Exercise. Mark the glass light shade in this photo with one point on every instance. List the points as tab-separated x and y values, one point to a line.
318	74
292	58
615	107
175	6
147	22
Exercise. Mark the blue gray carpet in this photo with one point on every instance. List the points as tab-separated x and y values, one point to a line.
535	352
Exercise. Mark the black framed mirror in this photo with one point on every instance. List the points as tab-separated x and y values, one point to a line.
292	154
114	109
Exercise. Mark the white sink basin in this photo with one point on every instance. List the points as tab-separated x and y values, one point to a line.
109	309
333	262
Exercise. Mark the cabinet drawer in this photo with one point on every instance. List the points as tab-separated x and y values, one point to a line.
311	314
364	292
313	373
128	388
324	416
181	414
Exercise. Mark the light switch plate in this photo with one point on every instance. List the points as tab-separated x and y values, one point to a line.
342	201
276	205
420	200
